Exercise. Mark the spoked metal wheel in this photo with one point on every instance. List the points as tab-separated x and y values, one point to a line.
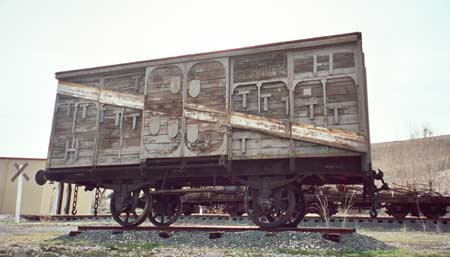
299	212
398	211
130	209
233	210
270	208
164	209
433	211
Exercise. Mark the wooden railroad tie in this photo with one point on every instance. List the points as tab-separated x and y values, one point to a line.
216	232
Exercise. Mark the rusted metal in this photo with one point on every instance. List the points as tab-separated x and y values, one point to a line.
96	201
130	208
75	200
74	233
220	229
165	209
188	191
398	202
332	237
334	219
65	217
306	219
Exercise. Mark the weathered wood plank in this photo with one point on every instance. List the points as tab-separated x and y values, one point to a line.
278	128
163	111
321	89
129	83
102	95
343	60
260	67
206	86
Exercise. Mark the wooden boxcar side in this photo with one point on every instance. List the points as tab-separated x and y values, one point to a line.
123	114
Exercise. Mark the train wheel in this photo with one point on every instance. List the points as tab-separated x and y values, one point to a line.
130	209
187	212
233	210
433	216
397	211
433	211
164	209
299	212
399	215
270	208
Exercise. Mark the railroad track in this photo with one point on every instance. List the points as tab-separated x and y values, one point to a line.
361	219
64	217
328	233
314	219
333	219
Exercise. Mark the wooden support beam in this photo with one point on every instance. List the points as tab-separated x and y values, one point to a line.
104	96
297	131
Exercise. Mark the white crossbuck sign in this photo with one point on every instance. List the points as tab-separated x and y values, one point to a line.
19	174
20	170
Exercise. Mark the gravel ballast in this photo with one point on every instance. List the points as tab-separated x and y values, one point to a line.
52	239
254	240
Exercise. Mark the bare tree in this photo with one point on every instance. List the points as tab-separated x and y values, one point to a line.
422	132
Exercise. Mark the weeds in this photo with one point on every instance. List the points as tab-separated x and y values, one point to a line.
438	227
347	205
420	216
323	206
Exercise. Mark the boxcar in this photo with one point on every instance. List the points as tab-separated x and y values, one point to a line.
271	117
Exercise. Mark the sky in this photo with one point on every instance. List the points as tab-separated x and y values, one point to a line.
406	45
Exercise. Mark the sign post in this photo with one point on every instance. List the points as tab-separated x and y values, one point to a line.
19	198
20	174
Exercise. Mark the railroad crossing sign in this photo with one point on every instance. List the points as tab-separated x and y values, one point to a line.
20	170
21	175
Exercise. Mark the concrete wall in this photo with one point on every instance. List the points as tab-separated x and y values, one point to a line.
36	200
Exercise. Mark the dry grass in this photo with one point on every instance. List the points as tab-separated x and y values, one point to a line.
40	238
413	240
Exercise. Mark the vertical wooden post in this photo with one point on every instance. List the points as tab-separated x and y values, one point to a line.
19	197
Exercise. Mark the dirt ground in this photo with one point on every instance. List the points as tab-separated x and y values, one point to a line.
51	239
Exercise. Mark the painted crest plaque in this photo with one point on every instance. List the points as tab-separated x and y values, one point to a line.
194	88
172	128
155	123
192	132
175	84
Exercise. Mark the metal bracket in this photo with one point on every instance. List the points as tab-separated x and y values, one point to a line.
265	183
126	188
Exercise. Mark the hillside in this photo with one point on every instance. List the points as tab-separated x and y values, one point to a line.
416	161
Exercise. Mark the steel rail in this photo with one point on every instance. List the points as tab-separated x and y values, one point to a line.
381	219
308	218
65	217
323	230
